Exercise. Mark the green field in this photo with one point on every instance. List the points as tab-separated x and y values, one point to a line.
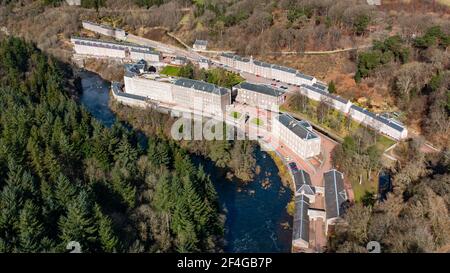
171	70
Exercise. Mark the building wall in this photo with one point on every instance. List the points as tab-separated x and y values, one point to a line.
210	103
199	47
310	94
178	62
245	66
300	81
130	101
99	51
258	99
300	243
119	34
134	55
303	148
227	61
314	214
155	90
203	65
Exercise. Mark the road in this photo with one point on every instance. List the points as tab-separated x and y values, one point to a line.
165	49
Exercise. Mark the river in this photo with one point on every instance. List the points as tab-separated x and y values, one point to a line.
254	215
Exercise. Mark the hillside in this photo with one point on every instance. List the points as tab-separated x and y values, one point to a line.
266	28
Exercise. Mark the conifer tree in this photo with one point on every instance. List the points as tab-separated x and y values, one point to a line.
78	225
31	230
108	240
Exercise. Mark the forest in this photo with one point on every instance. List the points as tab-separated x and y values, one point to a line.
237	156
65	177
417	72
415	215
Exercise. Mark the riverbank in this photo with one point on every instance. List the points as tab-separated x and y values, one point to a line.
256	218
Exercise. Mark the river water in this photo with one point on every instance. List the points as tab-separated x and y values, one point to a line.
254	215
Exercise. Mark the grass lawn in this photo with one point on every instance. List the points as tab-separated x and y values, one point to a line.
360	190
257	121
170	70
235	115
384	142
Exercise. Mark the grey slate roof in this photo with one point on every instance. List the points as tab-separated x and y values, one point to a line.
102	43
132	70
241	59
335	194
263	64
301	219
285	69
303	76
320	86
324	93
144	50
181	58
393	125
302	182
202	86
296	127
201	42
305	124
227	55
264	89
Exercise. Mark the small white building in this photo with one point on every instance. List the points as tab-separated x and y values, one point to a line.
204	64
179	60
200	44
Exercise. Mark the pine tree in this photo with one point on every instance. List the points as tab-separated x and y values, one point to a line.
126	155
195	204
108	240
31	230
78	225
65	191
162	154
332	87
123	187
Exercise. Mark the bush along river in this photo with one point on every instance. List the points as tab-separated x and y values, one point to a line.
255	215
